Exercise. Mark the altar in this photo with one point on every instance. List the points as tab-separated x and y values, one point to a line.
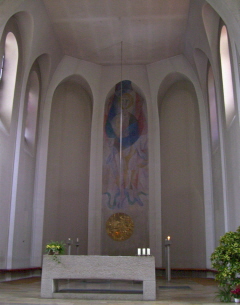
96	267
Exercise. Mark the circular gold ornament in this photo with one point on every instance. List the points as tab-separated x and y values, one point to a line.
119	226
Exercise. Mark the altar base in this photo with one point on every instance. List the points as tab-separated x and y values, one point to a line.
90	267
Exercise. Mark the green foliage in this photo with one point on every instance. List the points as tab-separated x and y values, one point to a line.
226	260
55	248
224	294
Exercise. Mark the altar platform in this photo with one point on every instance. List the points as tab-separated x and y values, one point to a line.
191	291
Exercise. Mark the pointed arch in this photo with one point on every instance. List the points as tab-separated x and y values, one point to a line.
183	212
67	179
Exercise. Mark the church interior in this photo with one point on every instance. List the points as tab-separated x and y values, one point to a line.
119	127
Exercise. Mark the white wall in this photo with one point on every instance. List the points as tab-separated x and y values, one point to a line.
203	34
17	177
26	199
182	176
67	178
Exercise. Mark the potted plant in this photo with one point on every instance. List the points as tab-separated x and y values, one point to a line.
226	261
236	294
55	248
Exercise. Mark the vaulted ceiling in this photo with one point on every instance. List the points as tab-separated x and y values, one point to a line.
110	32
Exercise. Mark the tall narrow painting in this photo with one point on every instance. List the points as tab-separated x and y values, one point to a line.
125	172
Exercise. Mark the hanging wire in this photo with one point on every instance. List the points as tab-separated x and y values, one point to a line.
121	132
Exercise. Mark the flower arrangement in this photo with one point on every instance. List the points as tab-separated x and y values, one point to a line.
55	248
236	293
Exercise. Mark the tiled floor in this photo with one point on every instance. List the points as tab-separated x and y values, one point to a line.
179	291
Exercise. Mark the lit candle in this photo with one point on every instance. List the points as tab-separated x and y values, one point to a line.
168	241
148	251
139	251
143	251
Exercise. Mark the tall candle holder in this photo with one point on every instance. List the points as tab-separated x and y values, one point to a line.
77	245
167	256
69	243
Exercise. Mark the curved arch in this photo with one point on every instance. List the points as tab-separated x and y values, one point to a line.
15	34
21	24
44	62
11	117
206	76
25	23
65	70
167	82
81	81
68	164
183	210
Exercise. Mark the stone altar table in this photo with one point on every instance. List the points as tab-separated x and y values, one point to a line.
89	267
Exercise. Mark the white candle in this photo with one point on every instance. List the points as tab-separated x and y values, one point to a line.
143	251
77	240
148	251
139	251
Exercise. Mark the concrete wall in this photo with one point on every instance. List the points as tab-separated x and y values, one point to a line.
181	176
67	178
25	181
17	177
203	34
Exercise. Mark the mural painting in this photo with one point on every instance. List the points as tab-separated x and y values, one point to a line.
125	159
125	168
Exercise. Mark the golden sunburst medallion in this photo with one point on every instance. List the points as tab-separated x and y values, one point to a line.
119	226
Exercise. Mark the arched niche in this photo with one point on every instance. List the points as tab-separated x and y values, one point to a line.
181	172
14	45
67	180
10	96
125	188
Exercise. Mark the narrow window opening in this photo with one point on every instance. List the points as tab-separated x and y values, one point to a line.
1	67
32	110
8	79
213	109
227	76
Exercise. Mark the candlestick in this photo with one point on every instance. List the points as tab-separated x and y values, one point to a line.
69	245
77	245
167	257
